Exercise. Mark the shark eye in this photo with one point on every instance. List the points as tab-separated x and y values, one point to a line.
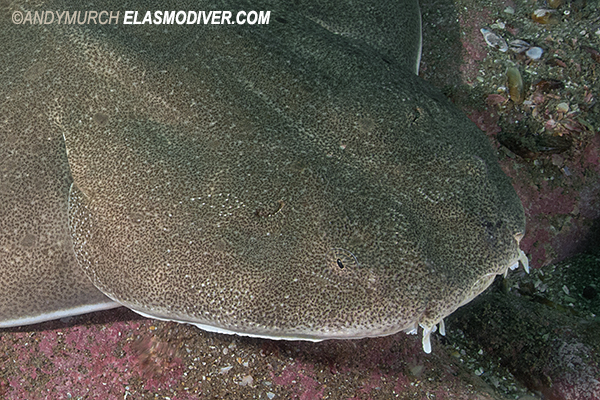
341	262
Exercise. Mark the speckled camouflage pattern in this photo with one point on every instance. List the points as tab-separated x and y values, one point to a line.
294	180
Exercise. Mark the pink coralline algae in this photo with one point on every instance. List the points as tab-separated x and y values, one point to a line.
474	46
559	212
300	375
97	361
560	208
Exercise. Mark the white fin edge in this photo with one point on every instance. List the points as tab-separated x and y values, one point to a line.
418	64
273	336
214	329
70	312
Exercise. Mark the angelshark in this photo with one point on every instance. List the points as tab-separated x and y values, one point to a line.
291	180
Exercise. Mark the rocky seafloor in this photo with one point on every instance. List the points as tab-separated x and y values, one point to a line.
529	336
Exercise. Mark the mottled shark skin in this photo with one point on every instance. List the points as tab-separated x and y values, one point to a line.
294	180
39	276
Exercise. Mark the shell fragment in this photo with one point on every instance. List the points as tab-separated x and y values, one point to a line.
494	40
